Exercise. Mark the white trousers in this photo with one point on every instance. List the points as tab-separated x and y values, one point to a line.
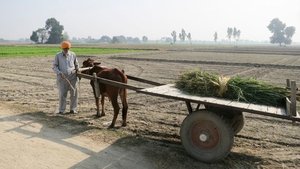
63	88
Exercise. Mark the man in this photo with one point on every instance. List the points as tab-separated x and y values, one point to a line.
65	66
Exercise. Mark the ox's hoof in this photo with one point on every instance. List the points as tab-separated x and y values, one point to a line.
100	115
111	126
124	124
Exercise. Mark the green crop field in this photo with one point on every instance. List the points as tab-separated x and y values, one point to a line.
31	50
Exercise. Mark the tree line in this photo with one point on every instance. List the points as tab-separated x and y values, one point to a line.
182	36
53	33
114	39
231	33
281	33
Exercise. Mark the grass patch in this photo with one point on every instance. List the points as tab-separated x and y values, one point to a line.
35	50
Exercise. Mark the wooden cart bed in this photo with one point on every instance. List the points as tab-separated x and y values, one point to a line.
169	91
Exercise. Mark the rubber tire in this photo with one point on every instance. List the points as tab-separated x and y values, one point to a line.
237	122
224	132
235	118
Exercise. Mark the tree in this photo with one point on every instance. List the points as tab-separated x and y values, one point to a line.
118	39
51	33
34	37
166	39
66	36
105	39
281	33
55	31
189	36
289	31
236	34
42	34
215	36
182	35
132	40
145	39
229	33
174	35
39	36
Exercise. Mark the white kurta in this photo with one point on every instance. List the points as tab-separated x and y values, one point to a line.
67	65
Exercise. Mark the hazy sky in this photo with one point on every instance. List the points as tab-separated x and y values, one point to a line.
152	18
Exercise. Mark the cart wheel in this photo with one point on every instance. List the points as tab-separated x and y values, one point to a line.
206	136
237	122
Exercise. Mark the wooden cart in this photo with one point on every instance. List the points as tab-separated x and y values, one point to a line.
207	133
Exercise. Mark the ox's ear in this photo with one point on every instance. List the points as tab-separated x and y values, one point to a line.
97	63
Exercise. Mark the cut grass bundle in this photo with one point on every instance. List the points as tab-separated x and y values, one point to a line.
247	90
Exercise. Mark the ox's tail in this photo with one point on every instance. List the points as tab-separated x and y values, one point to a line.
122	91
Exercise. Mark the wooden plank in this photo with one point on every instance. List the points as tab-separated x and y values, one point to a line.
271	109
169	91
258	108
240	105
288	84
221	102
109	82
288	106
293	98
143	80
282	112
255	107
85	68
180	94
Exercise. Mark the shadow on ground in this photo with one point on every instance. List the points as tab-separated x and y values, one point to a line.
126	152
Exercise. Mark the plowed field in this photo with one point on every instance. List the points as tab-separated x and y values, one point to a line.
29	84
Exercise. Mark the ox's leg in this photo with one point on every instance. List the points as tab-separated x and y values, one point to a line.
123	96
102	105
98	107
96	100
114	102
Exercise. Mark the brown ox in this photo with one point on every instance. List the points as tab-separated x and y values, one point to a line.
107	90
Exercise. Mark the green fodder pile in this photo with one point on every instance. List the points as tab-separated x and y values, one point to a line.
236	88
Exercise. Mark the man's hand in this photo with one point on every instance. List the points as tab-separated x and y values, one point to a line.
62	75
74	71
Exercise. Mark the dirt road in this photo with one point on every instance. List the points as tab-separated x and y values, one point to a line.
26	143
29	144
29	141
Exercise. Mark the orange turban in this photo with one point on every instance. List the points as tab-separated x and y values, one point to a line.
65	44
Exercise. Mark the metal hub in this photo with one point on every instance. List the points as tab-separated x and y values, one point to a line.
204	134
203	137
